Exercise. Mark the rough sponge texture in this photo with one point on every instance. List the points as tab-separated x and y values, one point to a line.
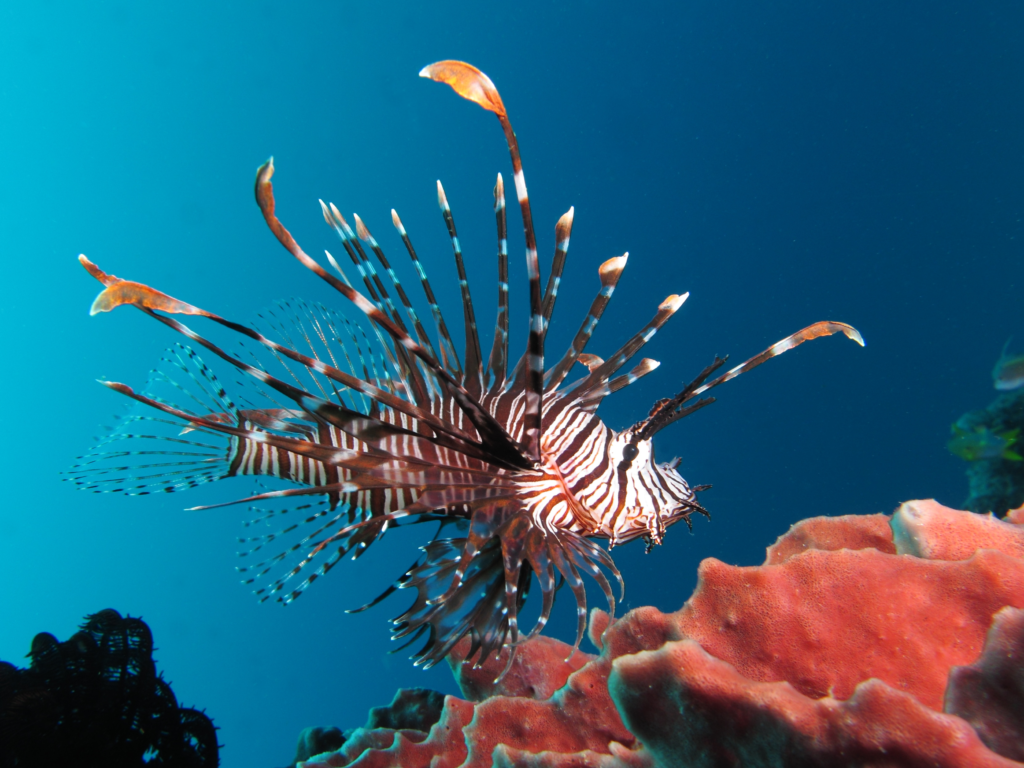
989	694
826	621
830	533
690	709
850	646
928	529
539	669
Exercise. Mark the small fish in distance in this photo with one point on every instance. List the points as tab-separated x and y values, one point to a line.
977	442
1009	371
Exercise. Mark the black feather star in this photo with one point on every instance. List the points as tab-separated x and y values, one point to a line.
97	699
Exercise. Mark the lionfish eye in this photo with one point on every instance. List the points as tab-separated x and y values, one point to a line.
629	452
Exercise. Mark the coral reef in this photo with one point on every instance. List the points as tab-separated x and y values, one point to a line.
317	740
862	641
989	693
997	484
97	699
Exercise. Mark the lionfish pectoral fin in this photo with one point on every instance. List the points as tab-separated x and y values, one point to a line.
96	272
118	292
149	451
467	81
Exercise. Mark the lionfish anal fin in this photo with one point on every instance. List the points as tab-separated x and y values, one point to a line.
118	292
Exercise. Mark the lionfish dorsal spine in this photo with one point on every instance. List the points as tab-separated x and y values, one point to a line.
410	376
497	363
505	449
473	379
609	274
472	84
599	375
422	389
562	231
449	357
410	311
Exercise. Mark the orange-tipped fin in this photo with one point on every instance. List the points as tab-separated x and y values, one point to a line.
467	81
142	296
827	328
96	272
118	292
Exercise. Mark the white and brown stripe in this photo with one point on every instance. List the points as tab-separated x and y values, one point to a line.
519	463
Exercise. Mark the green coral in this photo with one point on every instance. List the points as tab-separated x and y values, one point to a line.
997	484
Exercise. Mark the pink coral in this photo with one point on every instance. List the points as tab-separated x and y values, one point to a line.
836	651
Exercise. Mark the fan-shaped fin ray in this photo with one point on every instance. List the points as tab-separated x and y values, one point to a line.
543	568
565	566
497	441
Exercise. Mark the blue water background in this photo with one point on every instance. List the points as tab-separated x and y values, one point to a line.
785	162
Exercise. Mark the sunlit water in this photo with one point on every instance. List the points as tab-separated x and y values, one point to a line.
784	162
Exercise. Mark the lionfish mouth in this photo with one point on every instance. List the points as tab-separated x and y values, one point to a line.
373	422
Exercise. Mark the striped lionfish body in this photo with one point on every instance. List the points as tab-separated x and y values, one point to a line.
374	424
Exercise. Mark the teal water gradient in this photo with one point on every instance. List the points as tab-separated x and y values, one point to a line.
785	162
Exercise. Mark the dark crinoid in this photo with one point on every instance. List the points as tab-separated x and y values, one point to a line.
97	700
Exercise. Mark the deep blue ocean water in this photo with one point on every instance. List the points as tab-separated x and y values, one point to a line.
785	162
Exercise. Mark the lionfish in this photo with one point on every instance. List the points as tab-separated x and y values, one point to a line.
514	463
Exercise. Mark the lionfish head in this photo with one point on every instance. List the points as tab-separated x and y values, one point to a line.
657	496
